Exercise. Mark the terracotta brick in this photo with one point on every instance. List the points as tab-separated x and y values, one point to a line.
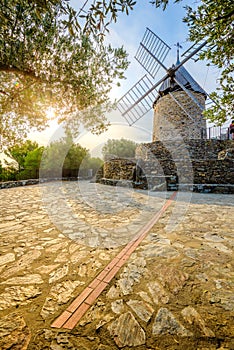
122	261
94	283
59	322
130	244
112	264
131	250
102	275
76	316
123	252
111	274
138	242
96	292
79	300
70	317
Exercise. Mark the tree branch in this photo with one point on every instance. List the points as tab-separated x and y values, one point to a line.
13	69
4	93
228	15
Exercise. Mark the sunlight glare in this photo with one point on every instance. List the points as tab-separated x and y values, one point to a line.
50	113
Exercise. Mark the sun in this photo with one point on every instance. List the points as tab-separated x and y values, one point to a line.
50	113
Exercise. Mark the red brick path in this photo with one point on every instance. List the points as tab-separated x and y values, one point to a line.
72	315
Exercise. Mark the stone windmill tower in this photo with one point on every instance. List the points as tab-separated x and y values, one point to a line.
179	102
176	113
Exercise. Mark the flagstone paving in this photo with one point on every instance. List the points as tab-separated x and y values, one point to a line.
175	291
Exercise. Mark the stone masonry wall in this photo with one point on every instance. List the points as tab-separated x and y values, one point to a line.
193	161
188	161
172	122
119	169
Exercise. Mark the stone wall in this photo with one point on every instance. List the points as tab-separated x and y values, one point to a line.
29	182
119	169
159	165
172	122
191	161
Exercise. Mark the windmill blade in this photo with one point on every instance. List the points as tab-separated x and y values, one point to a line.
196	57
210	102
190	95
137	95
137	101
191	55
152	52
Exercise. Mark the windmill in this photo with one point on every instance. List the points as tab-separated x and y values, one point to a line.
178	90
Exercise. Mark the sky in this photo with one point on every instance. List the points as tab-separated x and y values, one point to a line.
128	32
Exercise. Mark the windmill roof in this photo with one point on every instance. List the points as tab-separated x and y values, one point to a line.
184	78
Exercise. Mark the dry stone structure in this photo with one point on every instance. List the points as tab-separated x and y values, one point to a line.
172	122
175	164
177	110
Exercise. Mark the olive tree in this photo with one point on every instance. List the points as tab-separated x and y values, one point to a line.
47	65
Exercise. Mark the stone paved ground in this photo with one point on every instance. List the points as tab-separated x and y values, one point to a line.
175	291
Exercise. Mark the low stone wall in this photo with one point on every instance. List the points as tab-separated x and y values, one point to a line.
187	163
10	184
18	183
119	169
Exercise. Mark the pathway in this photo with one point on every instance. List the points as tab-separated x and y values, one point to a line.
174	292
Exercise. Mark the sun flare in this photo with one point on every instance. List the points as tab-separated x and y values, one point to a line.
50	113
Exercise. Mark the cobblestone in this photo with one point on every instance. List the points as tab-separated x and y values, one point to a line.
174	292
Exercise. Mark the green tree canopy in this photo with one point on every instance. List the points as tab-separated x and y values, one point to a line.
62	158
45	62
54	56
93	163
75	156
19	152
122	148
32	164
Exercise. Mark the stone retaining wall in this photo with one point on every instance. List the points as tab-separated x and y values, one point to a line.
187	163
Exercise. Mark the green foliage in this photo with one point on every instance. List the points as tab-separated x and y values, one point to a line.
2	173
101	13
32	164
43	65
73	160
53	56
213	21
19	152
91	163
7	173
62	158
53	158
119	148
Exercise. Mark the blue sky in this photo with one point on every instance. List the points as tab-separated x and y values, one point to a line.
128	32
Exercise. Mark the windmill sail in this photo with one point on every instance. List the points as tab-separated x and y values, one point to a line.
152	52
143	95
196	45
137	101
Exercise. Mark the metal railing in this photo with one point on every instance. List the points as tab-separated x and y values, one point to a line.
218	133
